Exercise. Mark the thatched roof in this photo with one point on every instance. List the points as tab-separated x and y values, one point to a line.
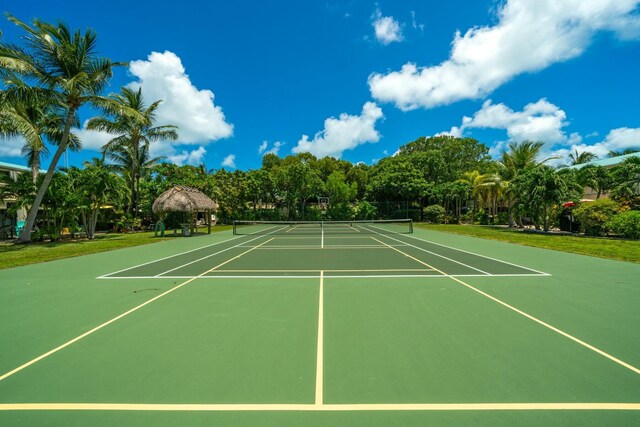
183	199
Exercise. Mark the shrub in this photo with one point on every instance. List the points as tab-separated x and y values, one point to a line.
467	217
434	214
340	212
482	217
502	218
365	210
312	214
594	216
626	224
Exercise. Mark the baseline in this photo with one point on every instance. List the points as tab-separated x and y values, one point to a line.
554	406
282	276
479	255
167	257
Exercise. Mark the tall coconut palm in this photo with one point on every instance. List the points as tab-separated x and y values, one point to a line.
65	70
472	181
37	122
520	157
130	148
579	158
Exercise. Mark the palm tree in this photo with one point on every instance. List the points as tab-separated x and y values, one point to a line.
519	158
598	178
578	158
37	122
492	188
130	149
95	187
67	73
618	153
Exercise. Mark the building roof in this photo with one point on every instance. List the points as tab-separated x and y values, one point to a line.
183	199
607	162
11	166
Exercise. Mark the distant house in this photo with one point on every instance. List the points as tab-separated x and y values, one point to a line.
8	221
609	162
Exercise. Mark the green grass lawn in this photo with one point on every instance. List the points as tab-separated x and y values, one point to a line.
624	250
12	255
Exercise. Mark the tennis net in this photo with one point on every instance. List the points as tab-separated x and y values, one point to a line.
394	226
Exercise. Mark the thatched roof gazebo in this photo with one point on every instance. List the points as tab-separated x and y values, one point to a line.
188	200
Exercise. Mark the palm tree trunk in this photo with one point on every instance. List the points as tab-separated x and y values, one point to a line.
35	168
132	184
137	190
134	176
25	236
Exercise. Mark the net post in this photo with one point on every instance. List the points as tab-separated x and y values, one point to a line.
411	226
234	228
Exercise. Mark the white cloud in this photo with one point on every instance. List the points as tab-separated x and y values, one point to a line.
275	149
538	121
386	28
92	139
200	122
193	157
162	76
574	138
229	161
616	140
11	147
414	24
529	36
343	133
263	147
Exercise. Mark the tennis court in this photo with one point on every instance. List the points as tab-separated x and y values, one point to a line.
322	323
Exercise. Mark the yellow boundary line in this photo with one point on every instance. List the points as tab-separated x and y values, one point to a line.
320	348
108	322
595	406
319	405
528	316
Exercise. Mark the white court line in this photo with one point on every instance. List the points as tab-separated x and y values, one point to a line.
167	257
535	319
432	253
320	348
473	253
108	322
193	407
316	270
89	332
292	228
216	253
315	248
372	276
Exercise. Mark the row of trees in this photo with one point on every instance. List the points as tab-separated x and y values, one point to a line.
57	71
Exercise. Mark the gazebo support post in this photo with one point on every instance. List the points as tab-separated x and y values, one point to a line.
208	216
193	223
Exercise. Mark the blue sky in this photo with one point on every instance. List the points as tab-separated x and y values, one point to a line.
357	79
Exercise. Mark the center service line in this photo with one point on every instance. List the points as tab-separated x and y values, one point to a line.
320	355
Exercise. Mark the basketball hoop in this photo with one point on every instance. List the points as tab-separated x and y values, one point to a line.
323	202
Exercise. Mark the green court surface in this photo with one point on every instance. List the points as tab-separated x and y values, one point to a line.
333	327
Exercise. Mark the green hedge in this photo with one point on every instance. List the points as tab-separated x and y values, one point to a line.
626	224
